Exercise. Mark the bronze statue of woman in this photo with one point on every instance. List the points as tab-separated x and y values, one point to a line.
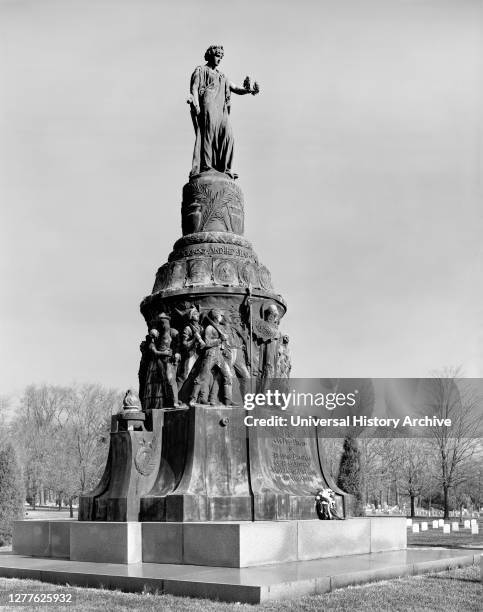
210	106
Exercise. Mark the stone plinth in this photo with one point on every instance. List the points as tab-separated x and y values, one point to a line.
216	544
107	542
225	476
213	482
130	471
245	544
42	538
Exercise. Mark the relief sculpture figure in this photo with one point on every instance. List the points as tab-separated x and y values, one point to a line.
268	350
144	365
238	340
284	362
214	358
152	389
191	345
160	389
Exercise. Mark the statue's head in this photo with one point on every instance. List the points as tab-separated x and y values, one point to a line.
162	322
154	334
271	314
214	54
216	315
193	314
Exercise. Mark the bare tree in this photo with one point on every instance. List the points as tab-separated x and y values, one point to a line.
35	430
455	398
467	493
89	411
371	468
411	461
60	434
331	450
5	402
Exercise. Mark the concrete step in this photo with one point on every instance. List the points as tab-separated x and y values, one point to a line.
247	585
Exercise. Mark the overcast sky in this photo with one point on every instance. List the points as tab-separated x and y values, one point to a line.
360	162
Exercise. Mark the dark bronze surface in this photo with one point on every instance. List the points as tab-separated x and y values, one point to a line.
213	335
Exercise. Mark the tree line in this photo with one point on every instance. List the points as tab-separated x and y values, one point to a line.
443	469
60	435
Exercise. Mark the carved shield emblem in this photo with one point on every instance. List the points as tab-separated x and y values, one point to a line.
177	275
265	279
161	278
198	272
145	459
248	274
224	272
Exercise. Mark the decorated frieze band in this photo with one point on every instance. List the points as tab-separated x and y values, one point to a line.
198	271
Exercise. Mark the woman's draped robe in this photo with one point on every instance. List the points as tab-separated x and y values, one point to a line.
214	137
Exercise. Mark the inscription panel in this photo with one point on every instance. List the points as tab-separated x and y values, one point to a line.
291	460
282	460
212	250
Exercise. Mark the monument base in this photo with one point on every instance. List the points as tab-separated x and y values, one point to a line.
250	585
228	544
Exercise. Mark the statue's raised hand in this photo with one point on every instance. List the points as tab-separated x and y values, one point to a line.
248	87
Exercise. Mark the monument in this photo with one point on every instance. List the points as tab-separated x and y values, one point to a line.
213	333
186	481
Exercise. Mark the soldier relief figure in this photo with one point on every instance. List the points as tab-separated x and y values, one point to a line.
191	345
214	360
209	102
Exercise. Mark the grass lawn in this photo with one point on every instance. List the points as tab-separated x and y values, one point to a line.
48	514
458	589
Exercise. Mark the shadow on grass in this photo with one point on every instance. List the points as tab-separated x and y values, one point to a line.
457	578
463	546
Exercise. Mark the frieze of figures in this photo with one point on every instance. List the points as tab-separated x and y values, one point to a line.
202	356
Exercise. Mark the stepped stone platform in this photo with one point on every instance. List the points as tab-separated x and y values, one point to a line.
248	585
223	544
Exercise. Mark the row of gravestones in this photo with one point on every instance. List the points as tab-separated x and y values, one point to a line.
471	524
